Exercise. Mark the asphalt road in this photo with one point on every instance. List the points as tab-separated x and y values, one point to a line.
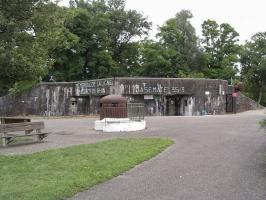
213	158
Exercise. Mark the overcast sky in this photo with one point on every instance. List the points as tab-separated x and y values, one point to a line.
246	16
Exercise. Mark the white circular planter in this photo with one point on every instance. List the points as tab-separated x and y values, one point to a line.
119	125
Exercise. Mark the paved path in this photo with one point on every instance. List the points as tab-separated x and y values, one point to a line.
213	158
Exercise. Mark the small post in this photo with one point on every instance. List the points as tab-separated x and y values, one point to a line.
4	140
38	138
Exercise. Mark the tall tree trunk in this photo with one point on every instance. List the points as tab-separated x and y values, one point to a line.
260	95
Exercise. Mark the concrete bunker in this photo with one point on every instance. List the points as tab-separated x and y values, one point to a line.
161	97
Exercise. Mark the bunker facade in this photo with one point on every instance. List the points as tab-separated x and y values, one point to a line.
161	96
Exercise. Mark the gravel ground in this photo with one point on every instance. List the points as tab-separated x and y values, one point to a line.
213	158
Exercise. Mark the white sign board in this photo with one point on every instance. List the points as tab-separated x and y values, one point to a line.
148	96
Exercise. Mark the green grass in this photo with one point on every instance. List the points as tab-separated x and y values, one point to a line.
58	174
263	124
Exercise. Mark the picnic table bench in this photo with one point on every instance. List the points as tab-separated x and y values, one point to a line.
27	127
9	120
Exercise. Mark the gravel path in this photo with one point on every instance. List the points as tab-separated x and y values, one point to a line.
213	158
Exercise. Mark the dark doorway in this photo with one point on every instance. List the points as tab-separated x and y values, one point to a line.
83	105
229	103
173	105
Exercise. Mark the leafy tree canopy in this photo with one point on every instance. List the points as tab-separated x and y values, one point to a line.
220	44
101	38
177	53
107	44
28	30
253	61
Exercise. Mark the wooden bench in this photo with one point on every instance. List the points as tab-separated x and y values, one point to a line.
27	127
9	120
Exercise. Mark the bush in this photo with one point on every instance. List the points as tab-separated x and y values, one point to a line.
263	124
21	86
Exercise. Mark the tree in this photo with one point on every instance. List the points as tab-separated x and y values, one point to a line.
17	45
28	31
154	60
253	61
177	53
107	46
221	50
125	27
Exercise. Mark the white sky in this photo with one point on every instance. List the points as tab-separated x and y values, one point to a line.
246	16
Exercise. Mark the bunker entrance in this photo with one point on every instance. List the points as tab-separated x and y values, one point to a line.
179	105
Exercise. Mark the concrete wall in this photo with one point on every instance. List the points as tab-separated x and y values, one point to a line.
45	99
200	95
161	96
244	103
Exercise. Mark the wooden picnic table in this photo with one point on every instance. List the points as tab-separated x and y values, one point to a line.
10	120
28	127
15	124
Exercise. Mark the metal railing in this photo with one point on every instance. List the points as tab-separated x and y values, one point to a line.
136	111
113	112
133	111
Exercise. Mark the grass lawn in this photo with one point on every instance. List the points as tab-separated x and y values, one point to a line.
61	173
